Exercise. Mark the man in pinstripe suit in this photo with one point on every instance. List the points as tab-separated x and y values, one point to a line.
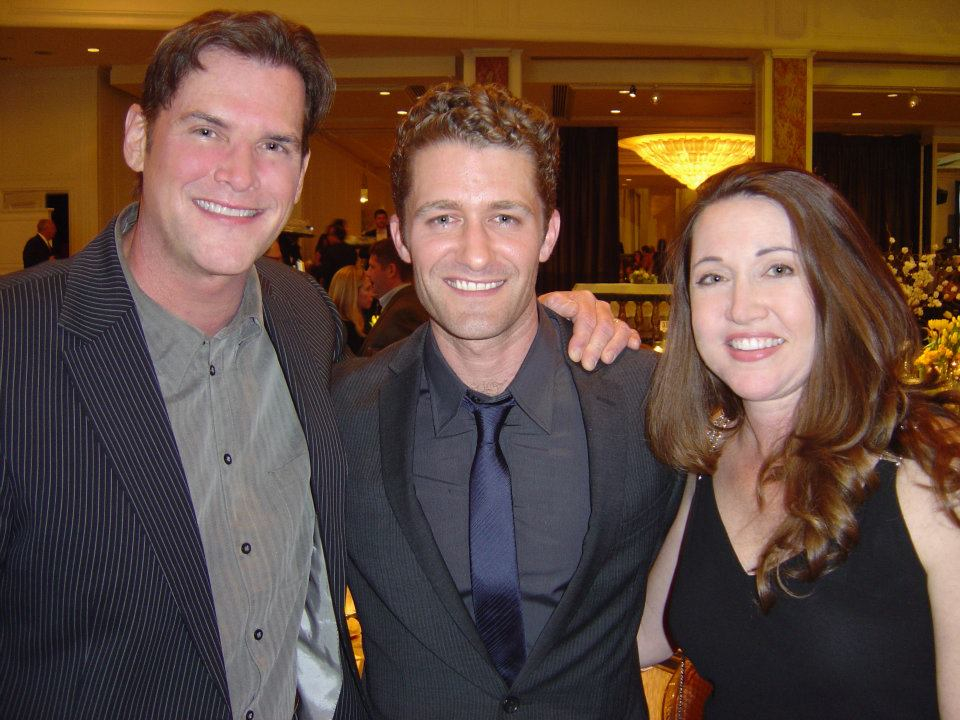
168	455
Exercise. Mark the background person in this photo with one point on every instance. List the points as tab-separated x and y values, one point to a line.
400	309
39	248
818	538
352	293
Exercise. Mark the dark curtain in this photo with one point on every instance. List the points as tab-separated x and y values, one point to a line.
588	199
879	177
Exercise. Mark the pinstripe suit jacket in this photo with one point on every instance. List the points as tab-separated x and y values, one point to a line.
424	657
105	603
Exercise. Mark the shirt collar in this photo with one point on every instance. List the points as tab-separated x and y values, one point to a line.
172	342
532	387
390	294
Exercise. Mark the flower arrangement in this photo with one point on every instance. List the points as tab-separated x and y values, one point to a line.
942	351
642	277
928	281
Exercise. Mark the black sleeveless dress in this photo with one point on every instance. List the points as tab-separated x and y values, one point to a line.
858	643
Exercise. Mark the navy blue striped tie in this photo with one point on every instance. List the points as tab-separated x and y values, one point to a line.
493	546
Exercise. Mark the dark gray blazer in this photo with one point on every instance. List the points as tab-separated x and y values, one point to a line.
403	315
105	603
424	656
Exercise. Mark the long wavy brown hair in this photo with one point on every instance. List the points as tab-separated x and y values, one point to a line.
859	400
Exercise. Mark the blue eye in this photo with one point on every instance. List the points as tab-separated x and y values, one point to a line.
709	279
780	270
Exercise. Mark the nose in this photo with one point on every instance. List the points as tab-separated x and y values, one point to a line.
746	302
475	246
238	168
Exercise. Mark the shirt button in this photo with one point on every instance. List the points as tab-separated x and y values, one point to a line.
213	370
510	705
249	715
227	458
245	548
258	634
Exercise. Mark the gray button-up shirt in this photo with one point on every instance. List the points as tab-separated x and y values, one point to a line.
245	458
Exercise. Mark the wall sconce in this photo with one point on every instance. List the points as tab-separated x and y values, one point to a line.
632	92
913	101
655	96
364	190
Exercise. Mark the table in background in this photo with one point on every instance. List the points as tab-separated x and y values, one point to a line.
645	307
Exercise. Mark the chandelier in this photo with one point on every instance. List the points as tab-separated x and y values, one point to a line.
692	157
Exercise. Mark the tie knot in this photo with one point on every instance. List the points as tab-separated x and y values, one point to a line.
489	416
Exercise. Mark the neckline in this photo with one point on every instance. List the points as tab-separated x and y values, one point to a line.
731	552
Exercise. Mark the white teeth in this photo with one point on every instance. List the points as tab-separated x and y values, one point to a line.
471	286
755	343
221	210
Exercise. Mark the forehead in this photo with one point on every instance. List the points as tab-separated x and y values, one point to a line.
467	167
742	223
226	76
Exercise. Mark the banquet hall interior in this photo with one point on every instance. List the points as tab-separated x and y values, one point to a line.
866	94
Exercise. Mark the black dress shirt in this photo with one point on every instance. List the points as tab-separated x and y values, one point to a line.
544	443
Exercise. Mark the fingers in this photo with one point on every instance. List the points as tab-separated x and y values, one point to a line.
597	335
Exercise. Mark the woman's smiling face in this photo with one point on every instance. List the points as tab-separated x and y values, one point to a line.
753	316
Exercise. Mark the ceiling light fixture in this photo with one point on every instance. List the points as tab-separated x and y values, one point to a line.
401	112
93	50
692	157
655	97
384	92
892	95
913	101
632	92
856	114
615	111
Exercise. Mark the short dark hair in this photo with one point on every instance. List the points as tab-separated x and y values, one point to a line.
379	211
387	254
262	36
478	115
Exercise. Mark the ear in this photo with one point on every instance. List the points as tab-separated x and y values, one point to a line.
397	234
550	237
135	138
303	172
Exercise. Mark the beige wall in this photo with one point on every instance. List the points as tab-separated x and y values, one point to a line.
116	181
331	190
35	152
925	27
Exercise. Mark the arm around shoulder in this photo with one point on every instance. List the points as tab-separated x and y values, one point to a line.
936	538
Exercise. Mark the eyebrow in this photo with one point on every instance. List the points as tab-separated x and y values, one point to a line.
204	117
760	253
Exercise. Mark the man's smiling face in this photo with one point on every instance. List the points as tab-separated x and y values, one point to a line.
223	168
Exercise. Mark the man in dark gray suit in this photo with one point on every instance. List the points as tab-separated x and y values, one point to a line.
400	310
39	248
503	509
168	455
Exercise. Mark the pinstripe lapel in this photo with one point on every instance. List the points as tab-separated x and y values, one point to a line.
305	350
107	357
398	402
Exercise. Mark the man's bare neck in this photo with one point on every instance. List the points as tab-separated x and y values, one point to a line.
487	366
208	304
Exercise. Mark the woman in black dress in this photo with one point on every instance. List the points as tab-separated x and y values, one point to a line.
814	566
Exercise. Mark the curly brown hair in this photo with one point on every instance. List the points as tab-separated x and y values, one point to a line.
858	401
262	36
479	115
